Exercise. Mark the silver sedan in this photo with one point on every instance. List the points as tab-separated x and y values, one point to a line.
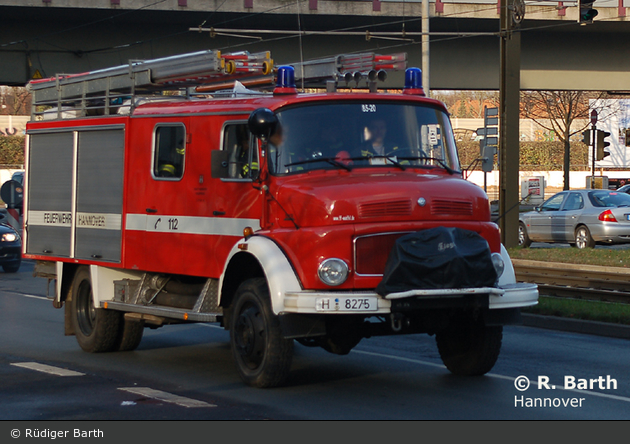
581	218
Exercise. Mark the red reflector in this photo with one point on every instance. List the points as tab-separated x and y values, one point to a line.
607	216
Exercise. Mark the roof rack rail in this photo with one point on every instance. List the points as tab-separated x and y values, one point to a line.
349	68
103	91
116	90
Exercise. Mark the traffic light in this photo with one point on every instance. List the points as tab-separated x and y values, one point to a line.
587	138
600	144
488	146
586	13
487	157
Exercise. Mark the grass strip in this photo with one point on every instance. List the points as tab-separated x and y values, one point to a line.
617	313
593	256
612	312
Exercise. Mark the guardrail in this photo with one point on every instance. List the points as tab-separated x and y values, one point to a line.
608	284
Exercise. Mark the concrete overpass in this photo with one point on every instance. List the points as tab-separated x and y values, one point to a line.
47	37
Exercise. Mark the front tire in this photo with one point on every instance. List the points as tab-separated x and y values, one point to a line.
263	356
470	349
523	239
96	329
12	268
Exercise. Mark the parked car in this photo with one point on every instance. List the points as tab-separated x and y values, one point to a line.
18	176
10	249
582	218
624	189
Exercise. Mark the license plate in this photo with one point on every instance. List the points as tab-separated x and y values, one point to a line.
346	304
627	216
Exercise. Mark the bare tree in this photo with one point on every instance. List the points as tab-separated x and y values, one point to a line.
16	101
557	111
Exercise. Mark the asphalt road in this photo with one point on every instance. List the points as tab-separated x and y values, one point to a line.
186	372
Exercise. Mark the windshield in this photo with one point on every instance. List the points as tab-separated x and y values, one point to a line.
351	135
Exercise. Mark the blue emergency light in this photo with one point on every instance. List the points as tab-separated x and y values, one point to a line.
413	81
285	83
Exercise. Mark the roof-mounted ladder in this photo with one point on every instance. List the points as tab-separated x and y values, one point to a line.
102	91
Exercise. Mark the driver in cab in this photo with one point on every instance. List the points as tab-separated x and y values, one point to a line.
376	143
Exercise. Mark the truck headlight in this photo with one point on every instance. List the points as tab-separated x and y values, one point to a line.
498	263
333	272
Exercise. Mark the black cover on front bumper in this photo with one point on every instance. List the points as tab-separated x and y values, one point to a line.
438	258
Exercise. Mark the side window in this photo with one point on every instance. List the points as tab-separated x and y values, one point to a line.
554	203
241	153
574	202
169	145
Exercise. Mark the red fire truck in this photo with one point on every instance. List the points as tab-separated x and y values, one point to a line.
211	187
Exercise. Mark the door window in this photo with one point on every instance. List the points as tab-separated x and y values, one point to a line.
241	153
554	203
169	148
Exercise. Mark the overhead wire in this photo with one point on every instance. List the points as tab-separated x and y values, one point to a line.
402	22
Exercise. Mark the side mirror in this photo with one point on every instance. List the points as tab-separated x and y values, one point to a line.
262	123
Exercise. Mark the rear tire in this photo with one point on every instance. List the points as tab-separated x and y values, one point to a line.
96	329
470	349
583	238
263	356
130	335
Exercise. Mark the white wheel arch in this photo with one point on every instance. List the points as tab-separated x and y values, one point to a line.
508	276
280	276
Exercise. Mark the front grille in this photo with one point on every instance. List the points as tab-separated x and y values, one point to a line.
452	207
371	252
390	208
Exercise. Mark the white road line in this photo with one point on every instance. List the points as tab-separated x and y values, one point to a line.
47	369
494	375
43	298
166	397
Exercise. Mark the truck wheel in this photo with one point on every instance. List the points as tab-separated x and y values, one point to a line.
470	349
130	335
96	329
263	356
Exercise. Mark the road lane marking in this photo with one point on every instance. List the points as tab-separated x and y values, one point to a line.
32	296
493	375
166	397
47	369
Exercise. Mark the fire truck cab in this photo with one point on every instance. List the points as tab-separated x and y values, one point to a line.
320	218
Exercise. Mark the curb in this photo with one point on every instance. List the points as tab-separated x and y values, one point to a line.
577	326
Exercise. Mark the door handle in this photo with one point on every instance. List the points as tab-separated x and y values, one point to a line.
151	210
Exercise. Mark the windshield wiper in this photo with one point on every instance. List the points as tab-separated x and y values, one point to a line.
438	160
331	160
392	159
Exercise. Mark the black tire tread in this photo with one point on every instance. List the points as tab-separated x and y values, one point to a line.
274	369
130	335
105	335
470	350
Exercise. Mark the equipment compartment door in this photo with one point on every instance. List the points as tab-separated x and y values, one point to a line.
49	202
98	221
